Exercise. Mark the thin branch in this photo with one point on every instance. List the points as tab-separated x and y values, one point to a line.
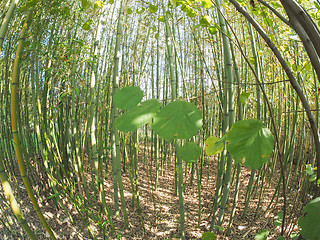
272	9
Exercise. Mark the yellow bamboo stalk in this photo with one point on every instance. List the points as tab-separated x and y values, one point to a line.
14	124
13	202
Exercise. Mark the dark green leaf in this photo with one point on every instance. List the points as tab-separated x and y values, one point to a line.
189	152
249	139
137	116
178	120
128	97
262	235
208	236
310	223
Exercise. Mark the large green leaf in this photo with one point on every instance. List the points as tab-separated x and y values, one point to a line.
189	152
310	223
137	116
127	97
249	139
178	120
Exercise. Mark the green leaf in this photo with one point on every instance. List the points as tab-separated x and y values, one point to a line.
310	223
243	98
154	28
212	30
100	3
185	7
141	10
313	178
87	25
206	3
262	235
127	97
294	236
309	169
129	10
205	20
208	236
249	139
213	146
153	8
161	19
178	120
219	228
191	13
156	36
111	1
173	2
281	238
66	11
189	152
85	4
280	216
252	60
53	196
137	116
278	222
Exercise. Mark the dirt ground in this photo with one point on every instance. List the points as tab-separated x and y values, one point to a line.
159	209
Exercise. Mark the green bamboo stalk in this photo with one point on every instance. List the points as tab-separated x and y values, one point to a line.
6	21
230	108
174	96
115	140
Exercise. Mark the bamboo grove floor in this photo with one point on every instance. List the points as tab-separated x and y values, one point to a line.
160	209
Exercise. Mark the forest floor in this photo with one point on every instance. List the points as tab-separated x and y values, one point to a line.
160	209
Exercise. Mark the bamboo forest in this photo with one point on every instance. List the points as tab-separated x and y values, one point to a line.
159	119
